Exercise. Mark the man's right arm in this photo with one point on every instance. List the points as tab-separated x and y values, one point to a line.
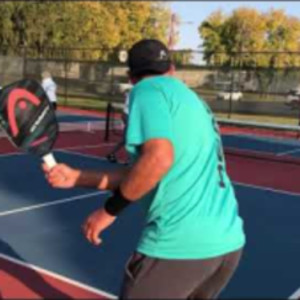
63	176
108	180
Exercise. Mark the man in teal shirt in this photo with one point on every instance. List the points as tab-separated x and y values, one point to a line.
193	236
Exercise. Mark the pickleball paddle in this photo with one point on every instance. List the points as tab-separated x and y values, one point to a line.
28	118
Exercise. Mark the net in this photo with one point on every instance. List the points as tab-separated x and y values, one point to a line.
256	140
85	127
113	123
82	134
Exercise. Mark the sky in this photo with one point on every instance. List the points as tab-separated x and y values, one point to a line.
197	12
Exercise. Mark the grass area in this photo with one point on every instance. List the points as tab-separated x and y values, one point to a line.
260	118
206	94
84	103
255	97
100	105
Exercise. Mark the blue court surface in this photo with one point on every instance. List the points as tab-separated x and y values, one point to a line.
42	226
274	146
267	145
77	118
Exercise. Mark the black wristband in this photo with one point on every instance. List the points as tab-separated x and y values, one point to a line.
116	203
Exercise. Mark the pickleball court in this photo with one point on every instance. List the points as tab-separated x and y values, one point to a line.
43	253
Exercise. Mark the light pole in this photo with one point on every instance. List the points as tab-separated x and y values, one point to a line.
174	23
172	32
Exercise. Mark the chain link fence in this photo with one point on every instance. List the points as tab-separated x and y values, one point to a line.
237	85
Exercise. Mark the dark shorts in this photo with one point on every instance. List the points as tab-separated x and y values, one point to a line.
152	278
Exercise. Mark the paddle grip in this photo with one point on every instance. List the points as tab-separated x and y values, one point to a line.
49	160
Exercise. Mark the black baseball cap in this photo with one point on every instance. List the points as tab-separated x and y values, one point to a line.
149	56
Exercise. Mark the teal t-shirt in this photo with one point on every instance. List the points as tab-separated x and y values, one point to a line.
193	212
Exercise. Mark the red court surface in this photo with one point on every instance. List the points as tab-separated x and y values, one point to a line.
79	111
240	169
21	280
267	174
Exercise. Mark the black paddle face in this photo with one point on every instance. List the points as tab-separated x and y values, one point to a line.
28	117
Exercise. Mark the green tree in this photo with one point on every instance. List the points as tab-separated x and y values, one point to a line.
247	30
249	38
282	35
107	26
212	32
244	32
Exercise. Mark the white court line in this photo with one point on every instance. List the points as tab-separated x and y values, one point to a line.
258	187
103	192
266	189
86	146
64	148
101	293
235	182
288	152
83	155
58	277
247	149
12	154
87	155
296	295
52	203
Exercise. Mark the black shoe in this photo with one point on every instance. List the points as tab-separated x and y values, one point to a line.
111	158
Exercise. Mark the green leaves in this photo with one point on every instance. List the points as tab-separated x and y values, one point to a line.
248	30
107	26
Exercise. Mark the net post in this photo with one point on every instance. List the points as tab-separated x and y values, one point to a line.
232	65
298	133
107	121
24	49
66	76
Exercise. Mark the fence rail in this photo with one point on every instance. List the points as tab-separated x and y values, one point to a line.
237	83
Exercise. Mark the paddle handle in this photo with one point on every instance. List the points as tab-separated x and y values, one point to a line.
50	160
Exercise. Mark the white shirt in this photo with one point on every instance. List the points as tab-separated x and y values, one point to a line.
50	88
126	104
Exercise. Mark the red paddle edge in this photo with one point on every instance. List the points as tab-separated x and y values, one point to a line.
14	96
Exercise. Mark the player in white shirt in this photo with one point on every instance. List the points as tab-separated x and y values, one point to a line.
50	87
112	155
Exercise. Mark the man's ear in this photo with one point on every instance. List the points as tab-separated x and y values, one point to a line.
172	69
133	80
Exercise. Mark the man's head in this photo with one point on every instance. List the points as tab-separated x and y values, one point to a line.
148	57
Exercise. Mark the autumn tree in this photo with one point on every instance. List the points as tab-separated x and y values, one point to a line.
248	38
103	25
212	34
247	31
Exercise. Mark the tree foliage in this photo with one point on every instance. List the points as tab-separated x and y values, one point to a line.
212	34
247	31
103	25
